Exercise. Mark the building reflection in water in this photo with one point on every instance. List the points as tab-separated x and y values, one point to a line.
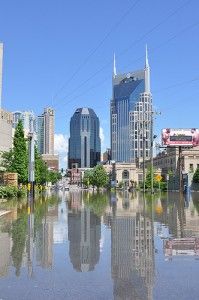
180	215
132	249
44	237
84	233
6	242
27	233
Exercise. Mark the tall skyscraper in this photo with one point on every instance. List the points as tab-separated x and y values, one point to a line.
45	132
131	108
84	141
1	70
40	134
26	117
45	138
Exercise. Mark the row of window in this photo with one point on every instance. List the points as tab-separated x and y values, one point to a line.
191	167
147	153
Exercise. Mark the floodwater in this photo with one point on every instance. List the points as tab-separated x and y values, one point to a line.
100	246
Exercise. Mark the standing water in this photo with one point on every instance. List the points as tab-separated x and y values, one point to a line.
100	246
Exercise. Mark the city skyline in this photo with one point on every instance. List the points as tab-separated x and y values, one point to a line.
77	77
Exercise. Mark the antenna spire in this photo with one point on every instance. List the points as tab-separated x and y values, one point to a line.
114	66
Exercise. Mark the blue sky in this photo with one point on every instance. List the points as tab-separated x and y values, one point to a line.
46	42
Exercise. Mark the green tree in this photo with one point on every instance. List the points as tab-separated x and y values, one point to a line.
20	154
148	179
7	158
16	160
99	177
196	176
41	169
88	178
54	177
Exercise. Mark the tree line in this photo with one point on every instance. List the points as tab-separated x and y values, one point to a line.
16	160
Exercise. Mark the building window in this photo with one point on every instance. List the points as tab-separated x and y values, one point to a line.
191	168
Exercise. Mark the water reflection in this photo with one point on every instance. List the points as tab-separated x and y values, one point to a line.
180	215
84	233
141	237
132	250
27	229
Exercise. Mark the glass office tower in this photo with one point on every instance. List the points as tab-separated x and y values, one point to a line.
84	141
131	110
40	134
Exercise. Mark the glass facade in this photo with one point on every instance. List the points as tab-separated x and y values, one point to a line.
26	117
131	109
40	134
84	141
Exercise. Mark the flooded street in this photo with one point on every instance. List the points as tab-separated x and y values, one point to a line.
100	246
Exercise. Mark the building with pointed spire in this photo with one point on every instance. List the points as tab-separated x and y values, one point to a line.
131	109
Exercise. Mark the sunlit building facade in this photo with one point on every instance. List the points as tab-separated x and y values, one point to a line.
5	130
1	69
45	131
27	117
131	108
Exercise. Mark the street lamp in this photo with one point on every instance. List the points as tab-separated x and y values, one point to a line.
31	161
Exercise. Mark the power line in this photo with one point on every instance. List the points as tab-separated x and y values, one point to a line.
168	40
133	44
98	46
176	85
141	57
155	27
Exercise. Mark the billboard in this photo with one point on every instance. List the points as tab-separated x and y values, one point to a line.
180	137
181	246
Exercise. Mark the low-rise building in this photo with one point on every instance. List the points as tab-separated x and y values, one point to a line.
52	161
5	130
168	160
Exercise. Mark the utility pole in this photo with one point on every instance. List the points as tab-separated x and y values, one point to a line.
152	139
151	152
144	148
180	169
31	161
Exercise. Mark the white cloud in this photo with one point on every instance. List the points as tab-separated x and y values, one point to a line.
61	148
61	143
65	158
102	137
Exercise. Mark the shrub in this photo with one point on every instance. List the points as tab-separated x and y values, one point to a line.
11	192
